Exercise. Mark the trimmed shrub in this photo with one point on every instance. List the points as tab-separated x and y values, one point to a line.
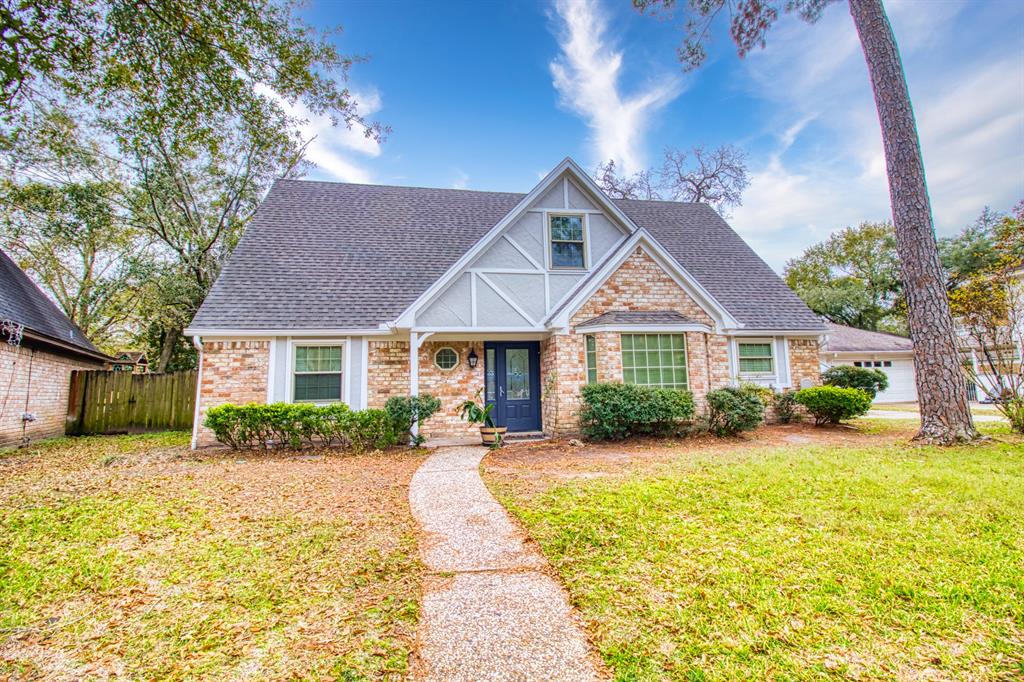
405	411
370	429
300	424
832	404
784	403
617	411
871	381
732	410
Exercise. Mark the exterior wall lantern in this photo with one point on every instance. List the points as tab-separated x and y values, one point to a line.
472	358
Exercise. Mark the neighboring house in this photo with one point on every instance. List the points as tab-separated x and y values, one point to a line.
355	293
133	361
39	346
892	354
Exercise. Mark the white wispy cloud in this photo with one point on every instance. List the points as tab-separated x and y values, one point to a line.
969	116
461	180
339	152
586	75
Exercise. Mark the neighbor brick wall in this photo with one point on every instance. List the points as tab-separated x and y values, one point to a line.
233	371
46	391
804	361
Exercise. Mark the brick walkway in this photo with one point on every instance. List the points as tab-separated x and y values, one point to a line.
491	611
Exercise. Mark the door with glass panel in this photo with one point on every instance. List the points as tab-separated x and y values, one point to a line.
512	371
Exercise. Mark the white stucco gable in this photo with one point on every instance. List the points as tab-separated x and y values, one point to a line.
507	280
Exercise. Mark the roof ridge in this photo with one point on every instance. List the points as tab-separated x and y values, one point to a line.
334	183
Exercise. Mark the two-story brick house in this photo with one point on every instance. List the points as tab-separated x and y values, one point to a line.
354	293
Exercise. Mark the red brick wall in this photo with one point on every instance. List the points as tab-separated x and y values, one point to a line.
233	371
388	375
639	284
46	391
804	361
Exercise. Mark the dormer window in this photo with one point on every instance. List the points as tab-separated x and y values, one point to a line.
568	248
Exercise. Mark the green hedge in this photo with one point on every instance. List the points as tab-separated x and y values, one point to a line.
617	411
732	410
832	404
299	424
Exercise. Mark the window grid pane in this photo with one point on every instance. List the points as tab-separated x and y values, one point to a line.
317	374
654	360
591	359
756	358
566	237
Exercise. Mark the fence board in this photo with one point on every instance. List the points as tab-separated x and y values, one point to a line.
122	402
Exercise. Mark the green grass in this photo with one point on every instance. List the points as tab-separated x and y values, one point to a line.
797	563
912	407
209	568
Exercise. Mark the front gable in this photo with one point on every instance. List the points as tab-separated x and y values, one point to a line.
507	281
641	285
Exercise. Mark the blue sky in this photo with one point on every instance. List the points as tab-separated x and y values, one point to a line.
491	95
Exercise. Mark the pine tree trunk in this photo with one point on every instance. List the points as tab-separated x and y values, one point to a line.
941	388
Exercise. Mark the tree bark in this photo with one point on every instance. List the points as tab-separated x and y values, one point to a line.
941	388
170	340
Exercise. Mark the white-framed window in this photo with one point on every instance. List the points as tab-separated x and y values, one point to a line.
318	372
756	357
567	238
654	360
591	342
446	358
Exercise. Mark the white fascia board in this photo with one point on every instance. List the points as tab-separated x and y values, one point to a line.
670	265
257	333
644	328
407	318
478	330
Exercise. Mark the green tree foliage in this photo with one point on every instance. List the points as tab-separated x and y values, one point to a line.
971	251
187	105
852	278
871	381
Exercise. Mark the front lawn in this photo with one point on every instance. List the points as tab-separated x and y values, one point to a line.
859	556
133	557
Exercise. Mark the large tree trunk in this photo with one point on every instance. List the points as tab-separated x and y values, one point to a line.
170	341
941	389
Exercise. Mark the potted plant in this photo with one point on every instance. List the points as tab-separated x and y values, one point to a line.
475	413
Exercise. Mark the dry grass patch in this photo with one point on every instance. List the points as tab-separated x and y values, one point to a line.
836	554
133	557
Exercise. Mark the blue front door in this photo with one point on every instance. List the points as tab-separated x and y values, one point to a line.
513	383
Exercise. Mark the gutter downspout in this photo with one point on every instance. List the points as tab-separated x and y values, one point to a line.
198	343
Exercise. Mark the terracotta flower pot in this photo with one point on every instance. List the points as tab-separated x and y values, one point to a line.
490	434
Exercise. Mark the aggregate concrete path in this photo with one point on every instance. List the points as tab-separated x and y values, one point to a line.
490	611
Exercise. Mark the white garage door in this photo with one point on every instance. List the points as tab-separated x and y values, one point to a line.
901	379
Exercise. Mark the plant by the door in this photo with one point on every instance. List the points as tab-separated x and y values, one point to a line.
476	413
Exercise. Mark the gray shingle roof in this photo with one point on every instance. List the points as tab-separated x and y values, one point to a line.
638	317
843	339
322	255
25	303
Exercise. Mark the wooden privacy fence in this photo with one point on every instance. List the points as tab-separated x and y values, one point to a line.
122	402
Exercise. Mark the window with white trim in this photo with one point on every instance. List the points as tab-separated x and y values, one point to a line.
317	375
568	244
446	358
756	357
654	360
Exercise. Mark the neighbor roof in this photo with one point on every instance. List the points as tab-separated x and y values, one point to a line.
843	339
22	302
638	317
323	255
